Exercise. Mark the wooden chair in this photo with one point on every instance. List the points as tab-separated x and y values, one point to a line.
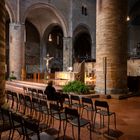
17	124
31	127
102	108
76	102
88	106
73	118
57	114
5	123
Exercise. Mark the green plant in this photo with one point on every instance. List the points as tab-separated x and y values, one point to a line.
76	87
12	76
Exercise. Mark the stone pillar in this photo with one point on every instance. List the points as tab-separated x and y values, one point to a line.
93	47
2	51
17	49
43	53
67	52
111	42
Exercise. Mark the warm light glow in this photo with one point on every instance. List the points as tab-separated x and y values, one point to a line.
50	37
128	18
69	69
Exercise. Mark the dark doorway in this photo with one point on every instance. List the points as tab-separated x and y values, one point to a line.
82	46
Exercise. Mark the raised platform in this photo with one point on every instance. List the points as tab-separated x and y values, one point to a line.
18	85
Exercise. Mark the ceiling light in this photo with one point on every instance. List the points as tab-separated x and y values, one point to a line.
50	38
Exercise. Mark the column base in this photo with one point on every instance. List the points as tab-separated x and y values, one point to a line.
123	94
111	91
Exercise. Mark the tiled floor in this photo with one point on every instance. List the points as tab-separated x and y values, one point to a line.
128	122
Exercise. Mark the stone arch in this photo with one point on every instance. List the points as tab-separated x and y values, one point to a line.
10	12
57	53
54	10
49	28
37	37
81	28
82	42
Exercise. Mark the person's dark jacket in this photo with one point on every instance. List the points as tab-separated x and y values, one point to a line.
51	93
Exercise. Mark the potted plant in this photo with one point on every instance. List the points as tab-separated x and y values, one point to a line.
12	76
76	87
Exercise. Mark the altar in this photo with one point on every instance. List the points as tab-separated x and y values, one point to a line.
63	77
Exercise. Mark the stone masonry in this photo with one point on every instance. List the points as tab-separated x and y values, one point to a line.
65	13
16	49
2	51
111	43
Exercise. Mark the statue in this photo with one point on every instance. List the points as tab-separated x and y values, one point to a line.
47	59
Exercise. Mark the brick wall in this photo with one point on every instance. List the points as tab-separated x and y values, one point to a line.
2	51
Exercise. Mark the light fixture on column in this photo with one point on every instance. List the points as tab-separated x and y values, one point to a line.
128	18
50	37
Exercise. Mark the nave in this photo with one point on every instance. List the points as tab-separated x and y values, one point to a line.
127	124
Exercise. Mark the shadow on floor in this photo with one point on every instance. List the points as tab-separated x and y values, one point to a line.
113	134
64	138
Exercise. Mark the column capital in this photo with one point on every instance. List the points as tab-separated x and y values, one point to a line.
17	25
67	38
67	52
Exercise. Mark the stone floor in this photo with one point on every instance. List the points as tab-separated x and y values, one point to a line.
128	123
127	111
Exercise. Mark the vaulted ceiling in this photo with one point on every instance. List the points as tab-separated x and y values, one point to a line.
42	17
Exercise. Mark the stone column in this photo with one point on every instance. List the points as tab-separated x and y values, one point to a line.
2	51
17	49
111	42
93	46
67	52
42	55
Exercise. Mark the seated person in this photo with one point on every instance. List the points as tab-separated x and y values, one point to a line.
52	95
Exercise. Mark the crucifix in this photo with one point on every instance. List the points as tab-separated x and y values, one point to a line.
47	59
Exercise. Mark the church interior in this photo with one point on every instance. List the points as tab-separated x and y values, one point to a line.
94	42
